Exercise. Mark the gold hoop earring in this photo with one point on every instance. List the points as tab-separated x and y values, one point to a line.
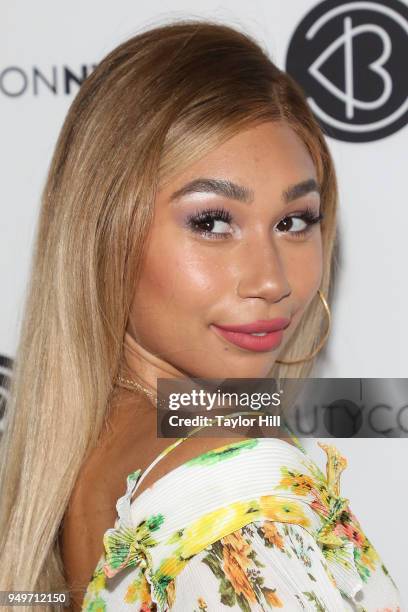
322	342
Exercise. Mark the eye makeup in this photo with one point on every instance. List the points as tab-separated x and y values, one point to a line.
202	222
309	218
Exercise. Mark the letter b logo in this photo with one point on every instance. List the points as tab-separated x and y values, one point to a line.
350	60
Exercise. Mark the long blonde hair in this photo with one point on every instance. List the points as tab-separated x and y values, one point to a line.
156	103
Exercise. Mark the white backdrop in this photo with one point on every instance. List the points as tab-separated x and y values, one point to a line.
370	327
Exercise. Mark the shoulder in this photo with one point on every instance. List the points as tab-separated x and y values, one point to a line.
91	509
128	441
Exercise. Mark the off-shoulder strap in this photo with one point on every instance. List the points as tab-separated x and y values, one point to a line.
169	448
172	446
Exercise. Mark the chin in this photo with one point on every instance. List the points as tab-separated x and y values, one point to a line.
234	370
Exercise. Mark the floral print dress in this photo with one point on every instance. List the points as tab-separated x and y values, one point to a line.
248	526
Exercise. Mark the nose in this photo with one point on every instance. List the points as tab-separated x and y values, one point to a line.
262	271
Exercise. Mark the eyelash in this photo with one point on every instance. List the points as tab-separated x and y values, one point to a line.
221	214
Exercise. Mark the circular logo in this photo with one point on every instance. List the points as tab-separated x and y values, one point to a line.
350	60
5	379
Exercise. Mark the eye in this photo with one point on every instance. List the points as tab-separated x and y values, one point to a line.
211	223
216	223
299	224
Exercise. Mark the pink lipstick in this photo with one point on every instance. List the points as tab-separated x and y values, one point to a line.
271	334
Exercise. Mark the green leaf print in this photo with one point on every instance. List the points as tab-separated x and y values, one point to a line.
302	605
245	584
176	537
228	595
134	475
119	554
319	606
227	592
160	583
214	564
386	572
97	605
154	522
361	568
227	451
297	546
252	555
243	603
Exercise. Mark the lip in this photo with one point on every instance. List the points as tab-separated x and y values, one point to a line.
262	325
240	335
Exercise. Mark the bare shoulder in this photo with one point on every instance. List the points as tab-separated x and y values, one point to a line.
150	446
190	448
92	505
128	441
133	443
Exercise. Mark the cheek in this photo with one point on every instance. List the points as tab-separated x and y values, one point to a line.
180	275
305	271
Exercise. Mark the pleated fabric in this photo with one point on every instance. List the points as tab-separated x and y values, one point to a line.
250	526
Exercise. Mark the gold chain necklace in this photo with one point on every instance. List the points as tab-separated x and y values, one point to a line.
153	398
138	386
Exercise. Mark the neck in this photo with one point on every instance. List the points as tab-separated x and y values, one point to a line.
140	365
145	368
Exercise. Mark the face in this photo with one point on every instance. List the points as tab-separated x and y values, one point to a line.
235	239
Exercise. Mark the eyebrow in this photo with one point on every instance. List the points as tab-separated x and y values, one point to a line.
231	190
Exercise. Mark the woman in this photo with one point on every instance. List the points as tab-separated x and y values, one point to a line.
190	190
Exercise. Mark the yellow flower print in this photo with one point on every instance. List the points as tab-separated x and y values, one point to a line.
280	509
98	582
370	557
213	525
272	535
171	593
202	604
298	483
326	537
236	562
272	598
132	592
172	566
138	590
237	543
335	465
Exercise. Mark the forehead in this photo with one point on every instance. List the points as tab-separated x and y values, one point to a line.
265	158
